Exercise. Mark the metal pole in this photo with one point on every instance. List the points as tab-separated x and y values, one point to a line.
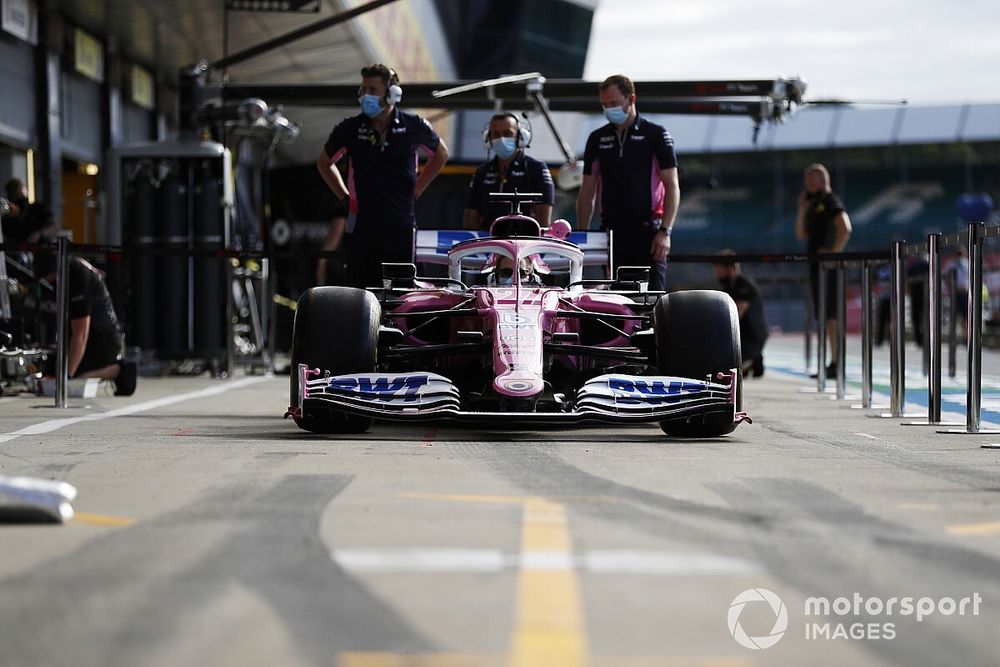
62	317
974	346
897	340
933	340
866	333
821	330
294	35
807	330
841	360
973	417
230	321
925	335
952	321
271	311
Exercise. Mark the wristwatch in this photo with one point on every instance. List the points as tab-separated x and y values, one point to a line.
666	230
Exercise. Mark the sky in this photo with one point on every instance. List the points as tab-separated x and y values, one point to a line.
926	52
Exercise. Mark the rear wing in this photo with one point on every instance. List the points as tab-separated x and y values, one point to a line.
433	245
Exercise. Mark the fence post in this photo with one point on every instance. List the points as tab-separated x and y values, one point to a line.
933	340
952	318
841	330
62	317
807	329
974	345
821	329
866	334
897	329
973	415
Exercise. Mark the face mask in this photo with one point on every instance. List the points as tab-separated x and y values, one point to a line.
504	147
616	115
371	105
505	277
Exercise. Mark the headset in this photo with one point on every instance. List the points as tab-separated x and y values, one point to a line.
523	130
393	93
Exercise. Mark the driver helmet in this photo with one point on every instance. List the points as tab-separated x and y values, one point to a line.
503	271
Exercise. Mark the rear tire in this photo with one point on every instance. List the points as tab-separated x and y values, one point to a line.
336	330
697	335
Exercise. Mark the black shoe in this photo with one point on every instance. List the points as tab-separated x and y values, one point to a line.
758	366
126	380
831	372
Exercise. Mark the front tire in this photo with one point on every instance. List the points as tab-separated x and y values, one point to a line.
697	335
336	330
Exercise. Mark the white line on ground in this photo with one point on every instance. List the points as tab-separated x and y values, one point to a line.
383	561
56	424
867	435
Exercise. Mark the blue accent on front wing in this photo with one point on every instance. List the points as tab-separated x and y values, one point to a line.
384	389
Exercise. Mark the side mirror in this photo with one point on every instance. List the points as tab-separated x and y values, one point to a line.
398	273
632	274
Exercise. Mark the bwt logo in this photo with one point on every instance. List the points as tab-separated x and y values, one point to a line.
736	608
655	388
406	387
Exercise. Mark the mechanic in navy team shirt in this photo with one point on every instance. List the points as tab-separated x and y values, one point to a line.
631	163
509	170
381	145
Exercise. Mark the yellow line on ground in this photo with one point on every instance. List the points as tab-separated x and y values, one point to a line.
102	520
548	629
989	528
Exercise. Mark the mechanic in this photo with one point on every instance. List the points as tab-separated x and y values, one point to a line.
750	306
327	272
510	170
822	222
632	162
96	341
381	145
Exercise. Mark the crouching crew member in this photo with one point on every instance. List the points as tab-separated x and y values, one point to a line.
96	342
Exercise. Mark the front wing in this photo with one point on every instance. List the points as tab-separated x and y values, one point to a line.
611	398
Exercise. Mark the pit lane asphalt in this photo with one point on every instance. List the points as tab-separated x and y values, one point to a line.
212	532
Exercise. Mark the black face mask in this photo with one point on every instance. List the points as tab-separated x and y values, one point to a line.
814	196
726	281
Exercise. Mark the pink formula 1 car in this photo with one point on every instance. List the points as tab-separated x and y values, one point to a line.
514	334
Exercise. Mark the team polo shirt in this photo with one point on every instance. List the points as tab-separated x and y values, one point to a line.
524	174
820	230
382	168
631	191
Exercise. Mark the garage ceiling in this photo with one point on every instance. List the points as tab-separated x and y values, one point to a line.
166	35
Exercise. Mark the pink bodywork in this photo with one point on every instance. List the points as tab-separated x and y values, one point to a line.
519	317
